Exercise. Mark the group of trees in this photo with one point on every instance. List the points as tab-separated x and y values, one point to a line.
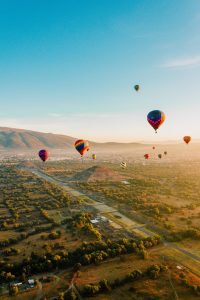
24	194
22	236
87	253
105	286
193	233
11	251
194	288
82	221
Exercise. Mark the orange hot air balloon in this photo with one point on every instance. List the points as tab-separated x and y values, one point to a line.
187	139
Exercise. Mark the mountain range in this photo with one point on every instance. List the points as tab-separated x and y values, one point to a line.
16	139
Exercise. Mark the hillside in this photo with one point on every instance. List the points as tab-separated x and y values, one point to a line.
14	139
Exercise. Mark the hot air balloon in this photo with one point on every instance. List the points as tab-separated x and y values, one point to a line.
187	139
137	87
156	119
82	146
123	165
165	152
43	154
146	156
94	156
153	147
160	156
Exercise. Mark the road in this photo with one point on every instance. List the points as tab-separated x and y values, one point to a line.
104	209
101	207
184	251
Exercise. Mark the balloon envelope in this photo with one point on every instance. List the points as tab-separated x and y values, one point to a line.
123	164
187	139
165	152
137	87
160	156
94	156
156	118
146	156
43	154
82	146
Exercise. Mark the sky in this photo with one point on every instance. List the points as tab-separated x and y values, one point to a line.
70	66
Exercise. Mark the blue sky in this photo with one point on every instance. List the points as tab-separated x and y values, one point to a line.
70	66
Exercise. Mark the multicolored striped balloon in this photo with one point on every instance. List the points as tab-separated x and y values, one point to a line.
82	146
156	118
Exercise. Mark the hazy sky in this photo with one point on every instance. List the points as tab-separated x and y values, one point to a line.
69	66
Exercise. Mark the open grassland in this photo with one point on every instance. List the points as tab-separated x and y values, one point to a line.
178	258
147	288
113	269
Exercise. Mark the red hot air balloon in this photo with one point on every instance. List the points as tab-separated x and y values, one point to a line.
43	154
146	156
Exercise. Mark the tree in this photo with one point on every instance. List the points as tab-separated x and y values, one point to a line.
104	285
70	296
61	296
77	267
14	290
23	277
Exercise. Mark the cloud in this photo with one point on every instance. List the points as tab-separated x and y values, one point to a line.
183	63
55	115
95	115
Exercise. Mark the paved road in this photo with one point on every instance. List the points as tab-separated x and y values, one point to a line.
101	207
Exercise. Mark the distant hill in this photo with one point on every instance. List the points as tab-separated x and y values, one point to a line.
97	173
13	139
16	139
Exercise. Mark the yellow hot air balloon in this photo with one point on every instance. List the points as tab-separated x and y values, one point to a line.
94	156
